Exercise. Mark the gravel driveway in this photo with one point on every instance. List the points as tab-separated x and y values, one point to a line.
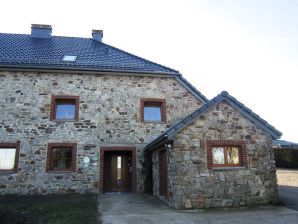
287	177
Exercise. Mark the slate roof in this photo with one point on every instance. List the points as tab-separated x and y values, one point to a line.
21	50
224	96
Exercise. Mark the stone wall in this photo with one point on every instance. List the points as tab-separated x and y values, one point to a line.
196	186
109	115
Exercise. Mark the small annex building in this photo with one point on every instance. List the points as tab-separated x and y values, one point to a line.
218	156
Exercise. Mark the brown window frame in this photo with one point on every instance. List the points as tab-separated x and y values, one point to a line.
64	98
242	152
51	146
154	102
15	145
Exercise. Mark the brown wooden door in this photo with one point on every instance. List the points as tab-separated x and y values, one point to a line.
107	173
163	173
117	172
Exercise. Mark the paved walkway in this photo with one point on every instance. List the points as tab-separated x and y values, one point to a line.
289	196
141	209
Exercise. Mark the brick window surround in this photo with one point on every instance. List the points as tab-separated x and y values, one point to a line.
75	100
52	146
242	152
154	102
132	150
15	145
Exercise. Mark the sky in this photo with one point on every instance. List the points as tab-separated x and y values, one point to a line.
246	47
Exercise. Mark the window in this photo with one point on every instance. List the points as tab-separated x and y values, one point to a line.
9	157
61	157
69	58
227	156
153	110
226	153
65	108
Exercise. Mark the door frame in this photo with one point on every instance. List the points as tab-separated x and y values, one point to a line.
110	149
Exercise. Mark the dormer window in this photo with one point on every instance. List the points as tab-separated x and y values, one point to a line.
153	110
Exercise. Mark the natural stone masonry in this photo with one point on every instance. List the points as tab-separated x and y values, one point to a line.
192	185
109	115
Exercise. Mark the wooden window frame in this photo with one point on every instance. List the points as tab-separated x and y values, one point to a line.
241	144
65	98
154	101
49	164
15	145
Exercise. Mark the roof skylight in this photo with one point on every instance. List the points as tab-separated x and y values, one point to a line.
69	58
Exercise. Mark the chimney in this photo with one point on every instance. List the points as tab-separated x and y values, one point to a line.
41	30
97	35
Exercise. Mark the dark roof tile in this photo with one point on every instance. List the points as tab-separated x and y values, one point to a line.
21	50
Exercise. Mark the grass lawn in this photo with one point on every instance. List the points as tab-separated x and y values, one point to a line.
50	209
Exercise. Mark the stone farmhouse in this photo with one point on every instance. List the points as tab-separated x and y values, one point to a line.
80	116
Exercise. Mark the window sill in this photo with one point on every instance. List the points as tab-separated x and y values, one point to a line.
153	122
60	171
228	168
56	120
7	171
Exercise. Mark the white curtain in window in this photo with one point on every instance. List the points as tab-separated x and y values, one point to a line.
7	158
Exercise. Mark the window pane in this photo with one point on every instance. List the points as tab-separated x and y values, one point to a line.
233	155
218	155
62	158
152	113
65	153
7	158
119	172
65	111
62	164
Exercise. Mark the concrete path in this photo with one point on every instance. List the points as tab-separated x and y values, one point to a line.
138	209
289	196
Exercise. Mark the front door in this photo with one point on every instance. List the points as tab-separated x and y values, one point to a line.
117	171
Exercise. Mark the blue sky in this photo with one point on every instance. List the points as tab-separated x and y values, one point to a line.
247	47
